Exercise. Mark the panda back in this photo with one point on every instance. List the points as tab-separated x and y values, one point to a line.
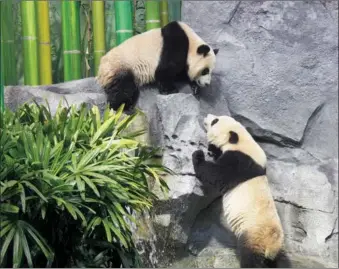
139	54
250	205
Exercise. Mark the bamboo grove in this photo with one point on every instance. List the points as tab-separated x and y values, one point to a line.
87	30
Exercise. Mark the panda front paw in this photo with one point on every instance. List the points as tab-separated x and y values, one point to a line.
195	88
167	88
198	157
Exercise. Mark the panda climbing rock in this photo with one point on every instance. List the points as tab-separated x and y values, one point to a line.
239	174
164	55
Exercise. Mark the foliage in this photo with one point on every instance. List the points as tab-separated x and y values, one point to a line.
70	185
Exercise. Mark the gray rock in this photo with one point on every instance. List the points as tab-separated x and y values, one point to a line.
73	92
277	73
276	59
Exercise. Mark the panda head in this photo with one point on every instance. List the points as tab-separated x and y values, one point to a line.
224	133
201	64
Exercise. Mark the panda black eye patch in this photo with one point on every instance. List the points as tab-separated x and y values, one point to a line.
214	121
203	50
205	71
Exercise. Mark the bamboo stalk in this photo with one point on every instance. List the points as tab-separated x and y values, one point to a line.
164	12
2	97
174	10
7	40
45	58
110	25
152	14
98	8
70	11
30	43
123	20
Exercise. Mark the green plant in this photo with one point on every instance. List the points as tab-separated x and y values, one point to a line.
71	184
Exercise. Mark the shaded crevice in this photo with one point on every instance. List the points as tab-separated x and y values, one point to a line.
330	236
333	233
233	13
266	136
186	174
282	201
310	122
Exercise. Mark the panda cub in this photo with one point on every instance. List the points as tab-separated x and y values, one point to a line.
239	174
164	55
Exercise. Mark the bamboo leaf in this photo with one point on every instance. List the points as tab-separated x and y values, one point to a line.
26	248
40	241
91	185
33	188
6	242
5	228
107	229
104	128
70	209
8	208
22	198
17	249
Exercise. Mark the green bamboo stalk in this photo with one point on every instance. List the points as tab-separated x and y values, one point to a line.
2	95
7	40
164	12
30	43
70	12
123	20
152	14
110	25
45	58
98	8
174	7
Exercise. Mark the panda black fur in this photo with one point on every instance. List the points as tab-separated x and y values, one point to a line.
239	174
164	55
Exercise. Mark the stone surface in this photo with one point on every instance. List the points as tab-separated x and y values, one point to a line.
277	72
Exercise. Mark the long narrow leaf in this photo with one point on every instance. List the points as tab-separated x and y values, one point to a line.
6	243
7	208
40	241
107	229
17	248
33	188
26	248
5	228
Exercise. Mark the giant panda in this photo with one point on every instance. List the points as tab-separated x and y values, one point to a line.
163	55
239	174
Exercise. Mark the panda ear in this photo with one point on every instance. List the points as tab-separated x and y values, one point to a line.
216	51
203	49
234	138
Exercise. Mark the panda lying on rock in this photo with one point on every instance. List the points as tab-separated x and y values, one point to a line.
239	174
171	54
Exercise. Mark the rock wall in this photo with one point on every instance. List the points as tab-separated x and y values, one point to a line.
277	73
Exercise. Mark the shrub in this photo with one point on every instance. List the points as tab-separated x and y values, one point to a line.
70	185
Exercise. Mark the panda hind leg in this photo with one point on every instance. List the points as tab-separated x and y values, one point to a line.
122	90
167	87
251	259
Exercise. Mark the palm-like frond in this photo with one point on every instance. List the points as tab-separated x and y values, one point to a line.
76	167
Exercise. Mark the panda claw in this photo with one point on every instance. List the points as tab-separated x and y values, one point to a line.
195	89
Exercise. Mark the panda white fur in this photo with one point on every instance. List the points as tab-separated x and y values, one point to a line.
164	55
239	174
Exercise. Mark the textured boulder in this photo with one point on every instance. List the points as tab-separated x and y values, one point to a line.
277	72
